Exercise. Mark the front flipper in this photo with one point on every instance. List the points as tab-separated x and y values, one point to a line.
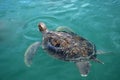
30	52
83	67
64	29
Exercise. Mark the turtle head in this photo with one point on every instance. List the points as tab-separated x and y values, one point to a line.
42	27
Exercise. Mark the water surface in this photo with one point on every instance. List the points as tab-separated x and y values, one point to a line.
98	21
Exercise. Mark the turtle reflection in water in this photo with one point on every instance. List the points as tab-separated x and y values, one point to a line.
65	45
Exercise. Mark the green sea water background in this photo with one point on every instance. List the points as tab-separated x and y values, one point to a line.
96	20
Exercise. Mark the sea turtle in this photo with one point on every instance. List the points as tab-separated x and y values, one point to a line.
65	45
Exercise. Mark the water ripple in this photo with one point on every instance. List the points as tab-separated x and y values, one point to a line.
116	39
85	4
68	6
30	28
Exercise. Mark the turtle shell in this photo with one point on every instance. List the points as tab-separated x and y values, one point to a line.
68	46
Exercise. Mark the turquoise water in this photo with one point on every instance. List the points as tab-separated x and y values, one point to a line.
98	21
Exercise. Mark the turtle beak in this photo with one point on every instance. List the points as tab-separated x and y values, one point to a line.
42	27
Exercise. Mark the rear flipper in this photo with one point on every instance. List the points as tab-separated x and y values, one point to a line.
83	67
97	60
30	52
103	52
93	58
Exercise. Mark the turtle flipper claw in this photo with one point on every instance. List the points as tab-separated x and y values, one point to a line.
30	52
